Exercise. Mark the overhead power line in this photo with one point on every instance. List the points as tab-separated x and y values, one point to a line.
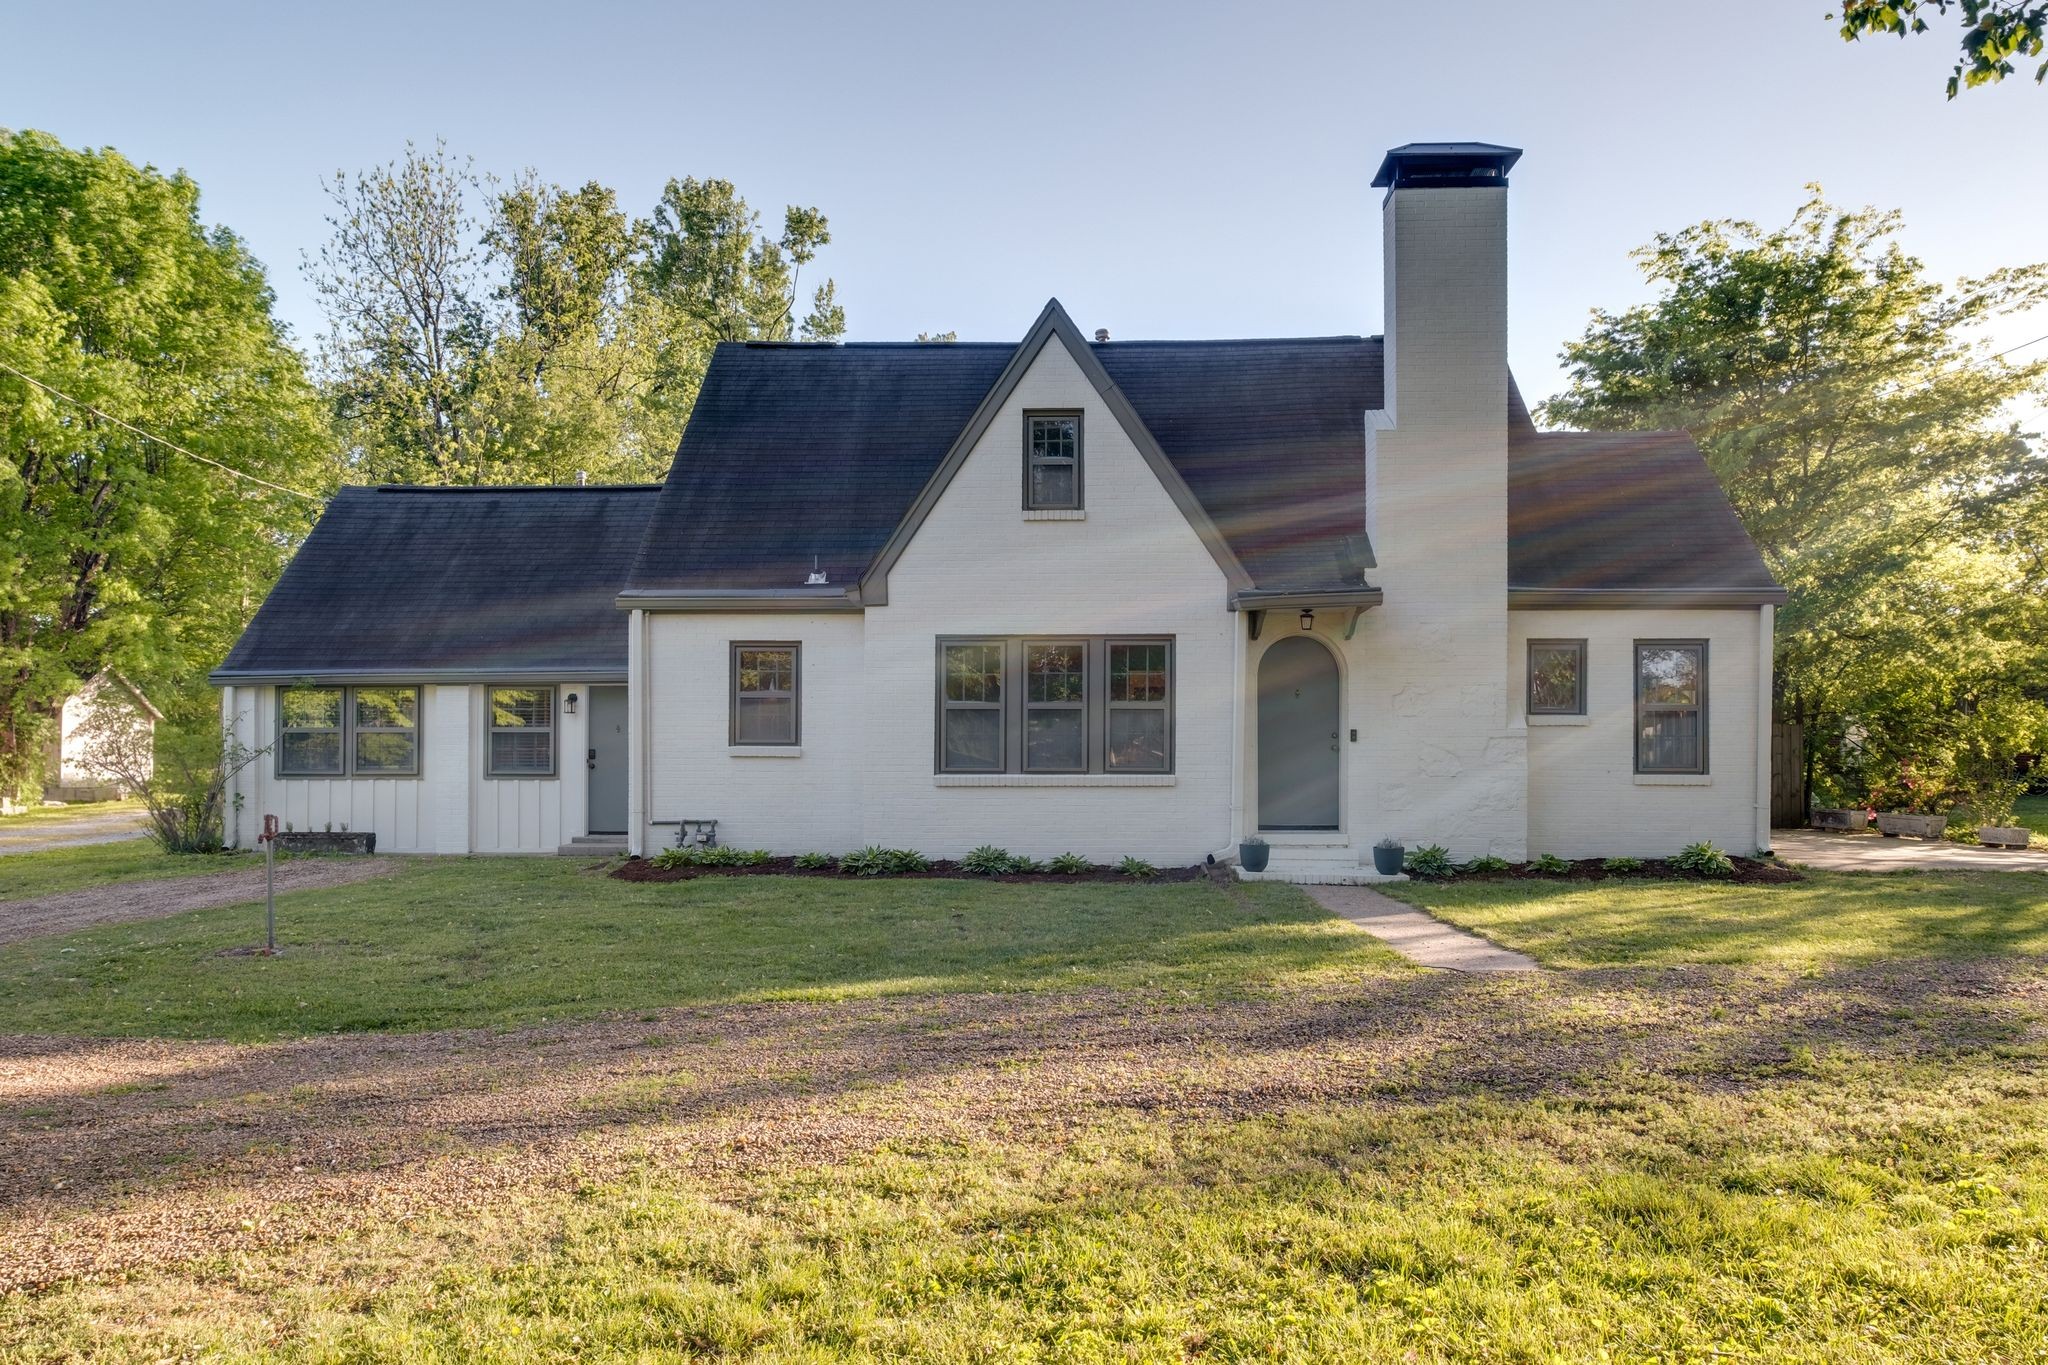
151	436
2022	346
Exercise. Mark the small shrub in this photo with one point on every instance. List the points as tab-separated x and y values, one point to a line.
813	862
1622	865
1704	860
1070	865
1136	867
903	860
1487	863
988	861
1550	865
1020	863
871	861
676	857
1431	860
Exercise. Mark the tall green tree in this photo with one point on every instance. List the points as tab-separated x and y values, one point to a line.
479	333
398	279
119	551
1863	436
1994	32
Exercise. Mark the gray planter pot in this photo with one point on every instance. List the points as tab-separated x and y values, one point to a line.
322	841
1387	858
2002	836
1253	857
1828	817
1893	824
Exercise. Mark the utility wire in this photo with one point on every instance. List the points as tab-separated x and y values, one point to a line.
147	436
2022	346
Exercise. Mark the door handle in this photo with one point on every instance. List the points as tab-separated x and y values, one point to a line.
591	762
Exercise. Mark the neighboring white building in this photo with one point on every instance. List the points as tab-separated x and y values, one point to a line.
1108	597
107	709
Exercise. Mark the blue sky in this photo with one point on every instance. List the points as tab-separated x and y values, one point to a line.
1167	170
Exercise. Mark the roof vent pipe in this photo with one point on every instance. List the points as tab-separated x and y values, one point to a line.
1102	334
817	574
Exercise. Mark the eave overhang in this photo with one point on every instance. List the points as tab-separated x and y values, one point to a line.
1606	598
402	677
1311	599
809	598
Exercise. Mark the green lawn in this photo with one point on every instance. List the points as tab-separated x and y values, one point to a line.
501	941
2032	811
42	815
55	870
1829	917
1823	1141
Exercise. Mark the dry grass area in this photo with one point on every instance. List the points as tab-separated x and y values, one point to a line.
306	1198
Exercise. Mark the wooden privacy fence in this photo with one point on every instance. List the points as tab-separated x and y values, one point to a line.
1788	776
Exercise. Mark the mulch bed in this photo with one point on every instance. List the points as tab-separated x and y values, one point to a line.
1748	871
641	870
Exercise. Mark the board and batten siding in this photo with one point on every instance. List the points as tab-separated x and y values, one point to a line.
1585	798
450	807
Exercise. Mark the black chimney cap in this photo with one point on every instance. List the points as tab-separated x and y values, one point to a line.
1444	165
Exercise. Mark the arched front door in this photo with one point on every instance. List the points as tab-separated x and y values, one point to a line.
1298	747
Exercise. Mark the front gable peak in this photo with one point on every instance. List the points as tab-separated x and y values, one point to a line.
1052	326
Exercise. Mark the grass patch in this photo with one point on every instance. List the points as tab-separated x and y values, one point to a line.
43	815
502	941
27	876
1874	1212
1829	917
2032	813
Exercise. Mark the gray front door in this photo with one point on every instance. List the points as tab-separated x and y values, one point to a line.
1298	746
607	760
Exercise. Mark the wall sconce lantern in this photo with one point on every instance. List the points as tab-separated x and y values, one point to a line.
1308	619
571	700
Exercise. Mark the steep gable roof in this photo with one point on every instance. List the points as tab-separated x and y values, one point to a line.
423	583
803	456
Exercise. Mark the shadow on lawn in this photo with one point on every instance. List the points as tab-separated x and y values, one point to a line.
344	1121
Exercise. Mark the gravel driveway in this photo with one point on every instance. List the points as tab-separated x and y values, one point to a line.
101	827
123	901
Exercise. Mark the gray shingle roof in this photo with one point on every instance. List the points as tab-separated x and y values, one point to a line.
798	451
425	581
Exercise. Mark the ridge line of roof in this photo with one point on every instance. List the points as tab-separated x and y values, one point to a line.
1328	339
500	488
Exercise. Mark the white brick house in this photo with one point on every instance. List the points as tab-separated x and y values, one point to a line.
1106	597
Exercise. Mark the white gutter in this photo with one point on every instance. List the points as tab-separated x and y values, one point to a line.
1766	624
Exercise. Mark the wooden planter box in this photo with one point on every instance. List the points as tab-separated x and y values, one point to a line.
1893	824
2002	836
310	841
1829	817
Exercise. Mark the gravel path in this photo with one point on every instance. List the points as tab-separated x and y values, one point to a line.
123	901
104	827
120	1154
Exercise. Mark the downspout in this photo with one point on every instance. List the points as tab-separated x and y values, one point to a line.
636	734
1766	623
1239	652
228	734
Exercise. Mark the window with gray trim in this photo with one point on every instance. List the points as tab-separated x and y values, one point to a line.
385	731
1054	704
1557	678
521	739
1052	461
766	705
1671	706
311	725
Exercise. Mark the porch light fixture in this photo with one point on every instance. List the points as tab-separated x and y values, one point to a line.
570	702
1308	618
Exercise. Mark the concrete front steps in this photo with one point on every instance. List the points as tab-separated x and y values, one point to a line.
593	846
1316	862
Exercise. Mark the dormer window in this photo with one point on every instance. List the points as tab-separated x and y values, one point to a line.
1052	461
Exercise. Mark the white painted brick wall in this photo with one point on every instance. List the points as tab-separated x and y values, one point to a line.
1440	758
1584	799
810	803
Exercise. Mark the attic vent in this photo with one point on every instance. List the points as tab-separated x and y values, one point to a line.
1102	334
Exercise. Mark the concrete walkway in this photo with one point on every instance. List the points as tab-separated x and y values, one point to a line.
1414	935
1875	853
